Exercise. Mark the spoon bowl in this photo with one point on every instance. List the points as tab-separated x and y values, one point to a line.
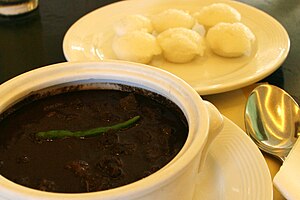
272	120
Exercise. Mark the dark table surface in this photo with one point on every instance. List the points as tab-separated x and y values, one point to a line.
35	39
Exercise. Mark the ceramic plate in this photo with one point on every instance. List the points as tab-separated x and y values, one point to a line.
235	169
90	38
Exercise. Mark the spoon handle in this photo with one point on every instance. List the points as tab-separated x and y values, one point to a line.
283	155
282	158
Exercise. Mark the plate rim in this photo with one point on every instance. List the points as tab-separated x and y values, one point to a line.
201	89
232	130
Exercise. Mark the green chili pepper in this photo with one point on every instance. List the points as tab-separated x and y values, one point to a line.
58	134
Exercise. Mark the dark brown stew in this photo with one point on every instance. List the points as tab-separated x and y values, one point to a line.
86	164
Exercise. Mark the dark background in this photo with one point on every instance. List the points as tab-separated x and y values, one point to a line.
35	39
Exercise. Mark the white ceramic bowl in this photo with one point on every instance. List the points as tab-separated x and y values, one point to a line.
174	181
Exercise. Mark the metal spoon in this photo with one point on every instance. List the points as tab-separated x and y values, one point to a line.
272	120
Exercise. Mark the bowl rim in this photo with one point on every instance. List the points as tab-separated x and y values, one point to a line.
143	76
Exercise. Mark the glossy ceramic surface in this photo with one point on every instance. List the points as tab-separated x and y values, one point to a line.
90	38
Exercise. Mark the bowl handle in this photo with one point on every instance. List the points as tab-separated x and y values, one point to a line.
216	123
